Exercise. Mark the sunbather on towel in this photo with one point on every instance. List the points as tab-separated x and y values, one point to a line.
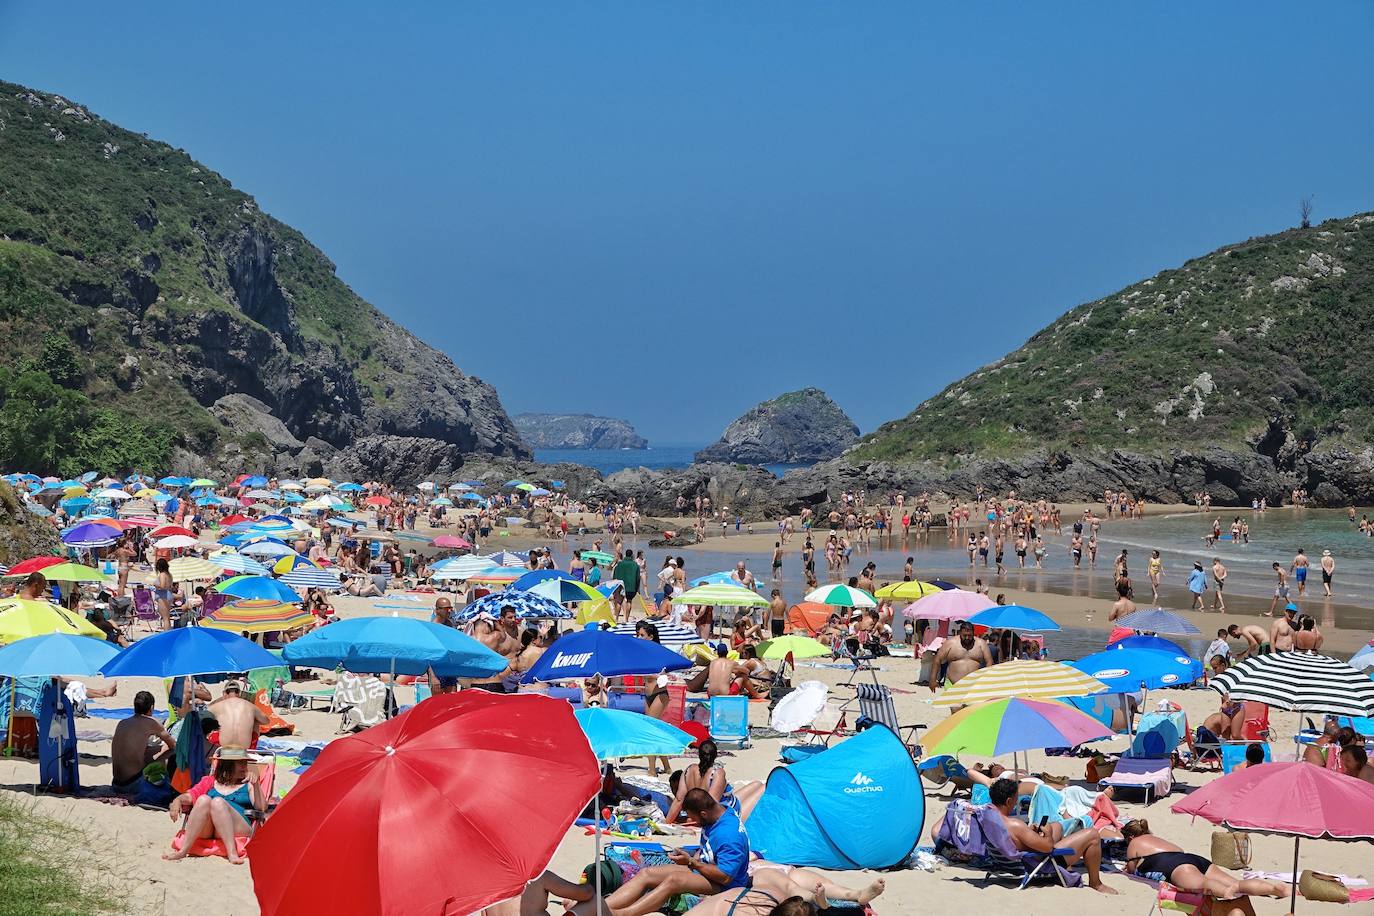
1156	858
772	883
1086	844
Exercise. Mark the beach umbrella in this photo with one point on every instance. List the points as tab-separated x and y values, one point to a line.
165	531
558	587
175	542
267	548
588	652
510	557
442	501
1300	682
1363	659
841	596
721	596
503	575
779	647
528	606
799	708
1287	799
304	577
295	561
461	567
377	501
616	733
514	483
1026	679
202	482
55	654
473	497
1129	670
111	493
540	491
450	541
952	604
21	618
1152	643
1011	725
349	487
34	564
189	652
671	635
255	587
400	645
74	572
256	480
189	569
724	577
1156	620
599	556
907	591
90	534
236	562
526	487
457	770
1014	617
257	615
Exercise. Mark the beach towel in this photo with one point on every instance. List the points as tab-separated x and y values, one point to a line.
57	753
122	712
1105	813
1048	803
210	847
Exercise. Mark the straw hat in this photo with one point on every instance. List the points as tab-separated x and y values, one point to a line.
231	753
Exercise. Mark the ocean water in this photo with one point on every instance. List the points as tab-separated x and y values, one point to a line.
656	457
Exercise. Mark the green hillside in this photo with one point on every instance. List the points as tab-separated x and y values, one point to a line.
1254	344
138	286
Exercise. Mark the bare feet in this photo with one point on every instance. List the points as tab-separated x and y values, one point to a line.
873	890
236	860
818	896
175	856
1103	889
1281	891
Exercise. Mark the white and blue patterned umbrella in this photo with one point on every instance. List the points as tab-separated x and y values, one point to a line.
462	567
527	606
509	558
240	564
312	577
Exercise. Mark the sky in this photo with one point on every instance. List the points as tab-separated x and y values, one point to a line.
668	212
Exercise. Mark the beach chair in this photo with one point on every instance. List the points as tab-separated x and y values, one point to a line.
1048	802
1206	751
1153	776
729	723
976	835
360	701
875	703
212	602
145	610
852	651
1233	754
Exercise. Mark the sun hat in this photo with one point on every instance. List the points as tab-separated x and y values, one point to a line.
231	753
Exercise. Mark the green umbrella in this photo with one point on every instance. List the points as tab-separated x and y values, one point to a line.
73	572
598	556
842	596
721	596
798	646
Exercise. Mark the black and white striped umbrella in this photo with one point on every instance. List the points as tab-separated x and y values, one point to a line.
673	636
1300	682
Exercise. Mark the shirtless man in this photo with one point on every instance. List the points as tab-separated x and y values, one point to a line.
1086	844
1219	580
742	575
485	631
239	720
1123	604
1280	589
775	617
1299	570
717	677
130	749
963	656
1281	633
1306	637
1328	564
1256	640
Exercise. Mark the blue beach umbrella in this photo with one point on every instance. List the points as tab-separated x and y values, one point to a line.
257	587
528	606
56	654
268	547
189	651
349	487
1156	620
1014	617
588	652
256	480
90	534
617	733
1153	643
473	497
1129	670
403	645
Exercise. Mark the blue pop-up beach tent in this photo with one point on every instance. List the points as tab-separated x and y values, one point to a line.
857	805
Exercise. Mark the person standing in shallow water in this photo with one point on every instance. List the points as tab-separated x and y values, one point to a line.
1219	582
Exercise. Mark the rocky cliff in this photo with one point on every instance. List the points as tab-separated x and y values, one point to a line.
22	534
556	430
793	428
148	297
1243	373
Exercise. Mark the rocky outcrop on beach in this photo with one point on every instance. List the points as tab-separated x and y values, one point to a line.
751	491
22	533
209	333
793	428
560	430
1233	374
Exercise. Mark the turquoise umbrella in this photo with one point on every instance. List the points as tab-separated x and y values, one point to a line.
56	654
615	733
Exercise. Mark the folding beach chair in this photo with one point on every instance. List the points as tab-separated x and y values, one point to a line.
1233	754
976	835
730	720
1255	725
1153	776
144	609
875	702
361	701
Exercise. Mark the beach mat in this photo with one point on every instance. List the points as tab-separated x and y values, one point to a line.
122	712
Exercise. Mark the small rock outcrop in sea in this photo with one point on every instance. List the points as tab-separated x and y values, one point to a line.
578	430
793	428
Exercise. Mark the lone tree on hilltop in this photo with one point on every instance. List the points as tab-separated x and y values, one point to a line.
1306	209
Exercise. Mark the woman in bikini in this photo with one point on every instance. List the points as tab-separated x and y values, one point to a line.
164	588
1156	858
219	805
773	885
711	776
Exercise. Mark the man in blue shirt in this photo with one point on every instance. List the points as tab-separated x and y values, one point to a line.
1197	584
720	864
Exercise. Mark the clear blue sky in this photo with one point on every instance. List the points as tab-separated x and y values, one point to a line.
670	211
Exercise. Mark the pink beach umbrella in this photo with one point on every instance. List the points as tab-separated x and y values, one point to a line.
953	604
1288	799
451	541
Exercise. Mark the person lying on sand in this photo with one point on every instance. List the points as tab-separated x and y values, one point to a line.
1156	858
773	883
1086	844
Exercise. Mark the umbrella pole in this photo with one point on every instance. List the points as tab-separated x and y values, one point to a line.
1293	895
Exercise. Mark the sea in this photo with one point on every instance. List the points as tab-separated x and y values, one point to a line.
656	457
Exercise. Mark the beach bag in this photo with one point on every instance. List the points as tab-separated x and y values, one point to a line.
1231	849
611	875
1315	885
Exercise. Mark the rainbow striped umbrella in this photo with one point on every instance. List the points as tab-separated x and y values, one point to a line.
1010	725
256	615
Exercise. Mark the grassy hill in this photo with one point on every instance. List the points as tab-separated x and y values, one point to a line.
1260	347
138	287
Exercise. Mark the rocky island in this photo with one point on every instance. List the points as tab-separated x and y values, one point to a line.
562	430
793	428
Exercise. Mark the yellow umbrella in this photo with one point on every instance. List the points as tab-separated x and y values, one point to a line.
1034	680
599	611
21	618
187	568
907	591
77	490
145	492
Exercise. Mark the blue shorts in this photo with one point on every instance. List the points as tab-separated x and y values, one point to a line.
1301	573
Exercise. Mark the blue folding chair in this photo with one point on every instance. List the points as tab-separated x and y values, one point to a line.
729	722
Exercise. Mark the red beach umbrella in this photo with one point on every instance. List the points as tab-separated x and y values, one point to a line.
397	805
377	501
163	531
451	541
34	564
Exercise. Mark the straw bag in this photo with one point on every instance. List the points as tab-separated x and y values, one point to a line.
1231	849
1315	885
